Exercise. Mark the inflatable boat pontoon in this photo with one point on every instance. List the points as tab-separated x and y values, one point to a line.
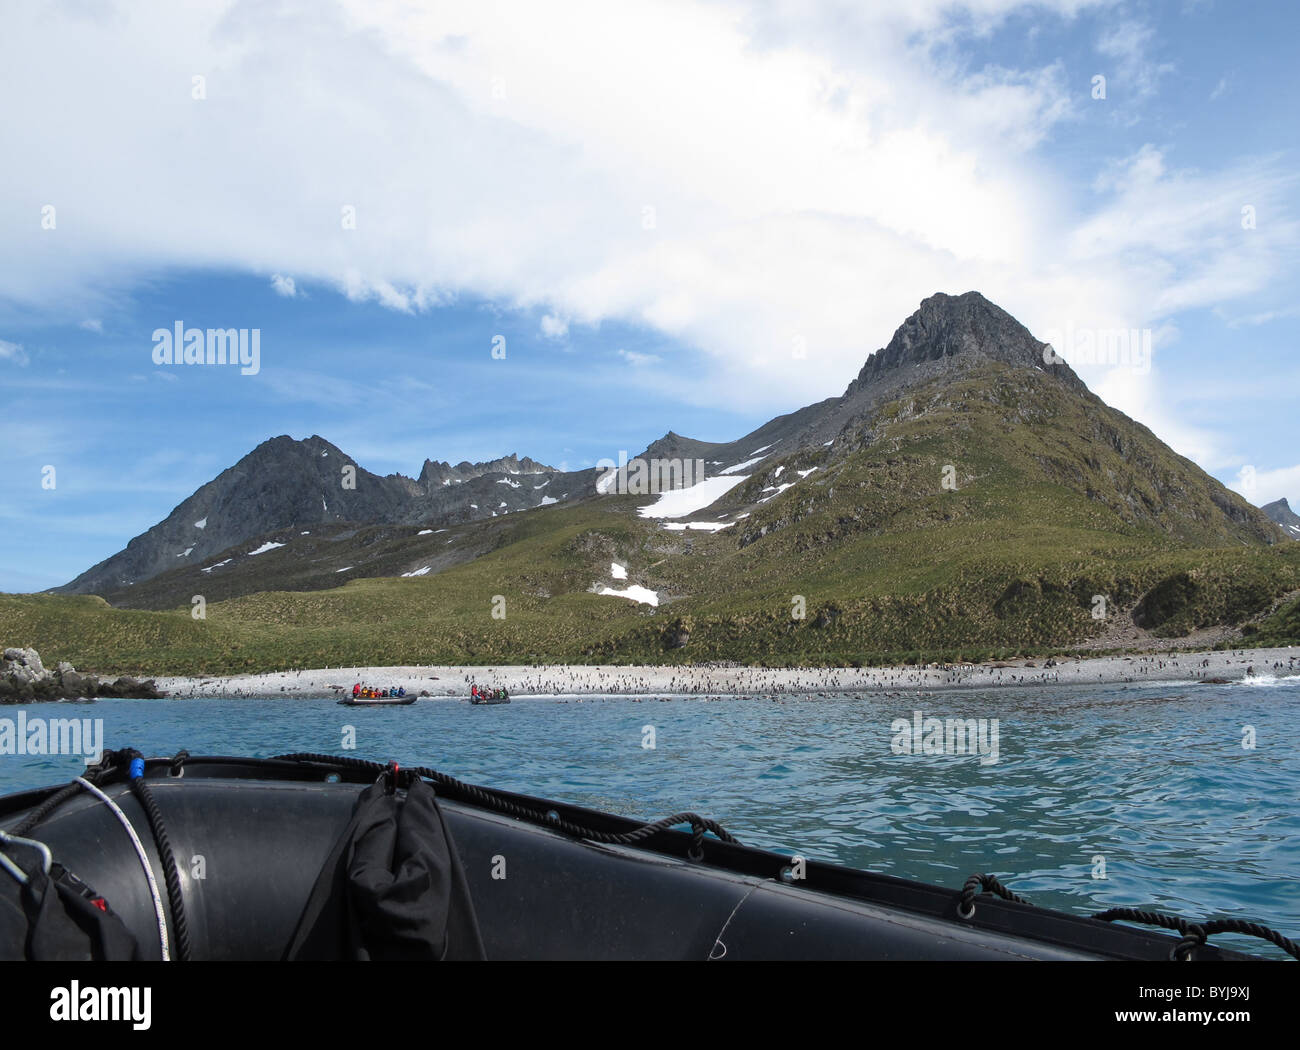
316	857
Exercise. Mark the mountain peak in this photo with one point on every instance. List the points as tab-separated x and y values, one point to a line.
284	444
1280	512
966	327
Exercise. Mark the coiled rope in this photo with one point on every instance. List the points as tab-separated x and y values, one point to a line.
1194	934
987	883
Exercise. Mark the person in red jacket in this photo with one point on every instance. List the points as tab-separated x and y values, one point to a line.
356	690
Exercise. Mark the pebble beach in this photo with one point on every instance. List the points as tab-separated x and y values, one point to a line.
554	680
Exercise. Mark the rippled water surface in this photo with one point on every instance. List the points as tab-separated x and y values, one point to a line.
1154	781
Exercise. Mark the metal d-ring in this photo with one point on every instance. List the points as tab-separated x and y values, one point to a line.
17	840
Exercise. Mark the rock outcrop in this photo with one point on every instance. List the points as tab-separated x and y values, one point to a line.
24	678
966	326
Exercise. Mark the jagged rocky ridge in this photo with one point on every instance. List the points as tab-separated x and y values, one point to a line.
286	484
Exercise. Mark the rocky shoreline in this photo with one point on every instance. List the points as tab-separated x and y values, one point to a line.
25	679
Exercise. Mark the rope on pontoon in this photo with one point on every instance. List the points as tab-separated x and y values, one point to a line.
491	800
47	807
1195	934
172	876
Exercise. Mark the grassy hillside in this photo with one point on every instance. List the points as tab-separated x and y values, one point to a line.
992	607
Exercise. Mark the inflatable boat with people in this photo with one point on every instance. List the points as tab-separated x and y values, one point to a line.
369	696
316	857
381	701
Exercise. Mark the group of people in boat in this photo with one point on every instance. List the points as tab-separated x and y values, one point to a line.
475	693
366	692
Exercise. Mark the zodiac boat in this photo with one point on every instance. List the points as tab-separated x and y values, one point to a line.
378	701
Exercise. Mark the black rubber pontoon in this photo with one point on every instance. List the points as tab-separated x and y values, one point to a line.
259	831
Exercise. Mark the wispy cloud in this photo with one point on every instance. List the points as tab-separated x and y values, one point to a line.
13	353
639	360
1129	44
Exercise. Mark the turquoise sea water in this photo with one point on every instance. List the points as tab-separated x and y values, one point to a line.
1153	780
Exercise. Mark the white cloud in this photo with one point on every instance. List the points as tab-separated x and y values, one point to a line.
1179	235
554	327
792	177
1261	487
12	352
639	360
1257	318
284	286
93	325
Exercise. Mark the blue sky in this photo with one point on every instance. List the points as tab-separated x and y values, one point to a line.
653	210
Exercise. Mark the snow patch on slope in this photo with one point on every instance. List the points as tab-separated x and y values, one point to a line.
677	503
635	593
741	466
269	545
